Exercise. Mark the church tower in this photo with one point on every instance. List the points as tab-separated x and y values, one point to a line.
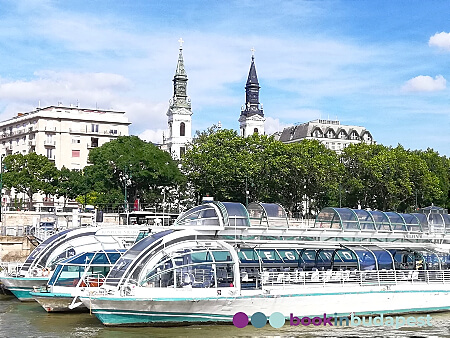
252	115
179	112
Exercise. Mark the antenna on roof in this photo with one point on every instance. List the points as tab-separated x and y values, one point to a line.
39	104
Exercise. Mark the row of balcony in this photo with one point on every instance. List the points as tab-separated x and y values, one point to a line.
47	143
50	129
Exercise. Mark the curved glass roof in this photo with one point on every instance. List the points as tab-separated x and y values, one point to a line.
356	219
268	214
96	257
215	214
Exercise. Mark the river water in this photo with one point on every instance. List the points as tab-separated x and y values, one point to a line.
31	320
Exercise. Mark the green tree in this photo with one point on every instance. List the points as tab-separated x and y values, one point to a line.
386	178
130	161
225	165
439	169
30	174
70	184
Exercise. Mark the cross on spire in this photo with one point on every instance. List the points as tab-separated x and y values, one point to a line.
253	52
181	43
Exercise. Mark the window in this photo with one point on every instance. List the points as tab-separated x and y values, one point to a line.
75	153
182	129
354	136
317	133
94	142
255	131
182	151
342	134
330	133
50	153
94	128
76	140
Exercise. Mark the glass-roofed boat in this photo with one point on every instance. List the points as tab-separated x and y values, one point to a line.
221	258
42	261
74	276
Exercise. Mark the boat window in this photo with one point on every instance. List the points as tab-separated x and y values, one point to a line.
113	257
269	256
344	259
237	214
367	260
197	270
248	256
324	259
365	219
124	262
384	259
55	274
100	258
35	253
382	222
308	259
288	255
423	221
70	275
201	215
83	258
222	256
403	259
412	223
397	222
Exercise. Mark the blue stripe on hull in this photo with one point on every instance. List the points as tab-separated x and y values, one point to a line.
137	318
22	294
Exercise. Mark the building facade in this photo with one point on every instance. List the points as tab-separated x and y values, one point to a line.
252	118
331	133
63	134
179	113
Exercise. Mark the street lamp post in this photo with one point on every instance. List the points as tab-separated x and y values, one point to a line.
1	185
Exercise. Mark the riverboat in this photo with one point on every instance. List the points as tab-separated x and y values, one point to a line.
73	277
221	258
42	261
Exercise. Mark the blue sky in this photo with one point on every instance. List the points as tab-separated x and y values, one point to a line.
379	64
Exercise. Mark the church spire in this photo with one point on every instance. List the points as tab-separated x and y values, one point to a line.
252	115
180	99
252	106
179	114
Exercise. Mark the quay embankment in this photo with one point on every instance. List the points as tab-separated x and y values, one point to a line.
20	230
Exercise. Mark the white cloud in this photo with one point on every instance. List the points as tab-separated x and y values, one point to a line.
440	40
273	125
426	83
155	136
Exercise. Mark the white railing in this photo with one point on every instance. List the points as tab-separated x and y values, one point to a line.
371	277
10	268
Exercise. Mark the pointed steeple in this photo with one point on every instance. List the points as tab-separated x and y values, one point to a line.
179	114
180	98
252	106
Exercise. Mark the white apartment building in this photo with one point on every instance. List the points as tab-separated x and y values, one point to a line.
331	133
63	134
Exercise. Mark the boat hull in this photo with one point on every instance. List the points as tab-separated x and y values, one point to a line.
310	302
22	286
54	302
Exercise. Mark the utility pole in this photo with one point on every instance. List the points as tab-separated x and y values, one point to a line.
1	186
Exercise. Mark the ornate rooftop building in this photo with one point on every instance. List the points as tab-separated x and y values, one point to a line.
330	132
252	115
